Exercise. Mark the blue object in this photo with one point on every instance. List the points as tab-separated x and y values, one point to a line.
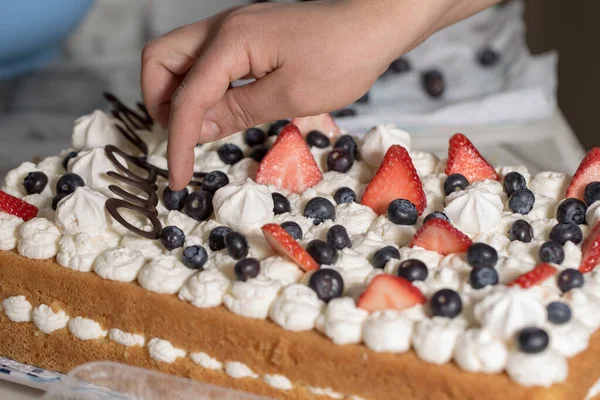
33	31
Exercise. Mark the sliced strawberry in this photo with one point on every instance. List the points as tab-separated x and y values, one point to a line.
322	123
591	250
17	207
464	159
387	292
588	172
440	236
396	178
289	164
534	277
285	245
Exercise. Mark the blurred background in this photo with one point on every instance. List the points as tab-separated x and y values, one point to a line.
55	67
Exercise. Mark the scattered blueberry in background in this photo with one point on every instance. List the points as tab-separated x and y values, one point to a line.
319	209
413	270
592	193
344	113
552	252
35	182
68	158
488	57
482	255
281	204
327	284
571	210
317	139
433	83
363	99
293	229
214	181
399	66
174	200
532	340
198	205
454	183
322	252
521	201
216	237
383	255
254	137
436	214
171	237
344	195
339	160
562	233
402	212
481	277
246	269
194	257
237	245
230	154
277	126
68	183
558	313
521	230
514	181
337	236
569	279
258	153
445	303
347	142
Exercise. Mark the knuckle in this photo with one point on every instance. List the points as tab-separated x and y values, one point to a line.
149	51
240	115
236	23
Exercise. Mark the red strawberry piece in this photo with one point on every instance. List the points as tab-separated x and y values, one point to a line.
285	245
289	164
534	277
591	250
396	178
464	159
588	172
387	292
322	123
17	207
440	236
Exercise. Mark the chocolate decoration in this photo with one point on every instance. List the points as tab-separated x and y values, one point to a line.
113	206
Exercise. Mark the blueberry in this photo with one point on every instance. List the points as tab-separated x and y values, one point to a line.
198	205
445	303
433	83
488	57
402	212
344	195
482	255
68	158
319	209
254	136
521	201
569	279
454	183
481	277
347	142
277	126
344	112
532	340
413	270
216	237
214	181
552	252
230	154
281	204
237	245
56	199
363	99
246	269
293	229
174	200
317	139
436	214
521	230
68	183
337	236
171	237
35	182
339	160
383	255
327	284
562	233
258	153
322	252
514	181
558	313
194	257
399	66
592	193
571	210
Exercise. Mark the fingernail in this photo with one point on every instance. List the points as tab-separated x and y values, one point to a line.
210	131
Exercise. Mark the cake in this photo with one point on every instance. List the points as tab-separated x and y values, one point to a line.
302	262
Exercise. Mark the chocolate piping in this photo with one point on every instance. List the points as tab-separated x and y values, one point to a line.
113	206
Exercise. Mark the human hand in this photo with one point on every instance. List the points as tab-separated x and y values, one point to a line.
307	58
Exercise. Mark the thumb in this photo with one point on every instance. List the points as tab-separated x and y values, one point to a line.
246	106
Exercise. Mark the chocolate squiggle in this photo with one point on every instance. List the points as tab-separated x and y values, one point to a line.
146	207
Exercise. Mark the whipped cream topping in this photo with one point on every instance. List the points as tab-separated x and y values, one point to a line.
236	369
243	170
592	215
96	130
477	350
164	274
568	339
342	321
205	289
379	139
149	248
333	180
355	217
542	369
424	162
119	264
206	361
13	182
388	331
9	231
521	169
474	210
78	252
353	267
92	165
243	205
296	308
252	298
280	269
434	339
399	234
278	382
125	338
178	219
163	350
550	184
48	321
39	239
82	212
17	308
86	329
